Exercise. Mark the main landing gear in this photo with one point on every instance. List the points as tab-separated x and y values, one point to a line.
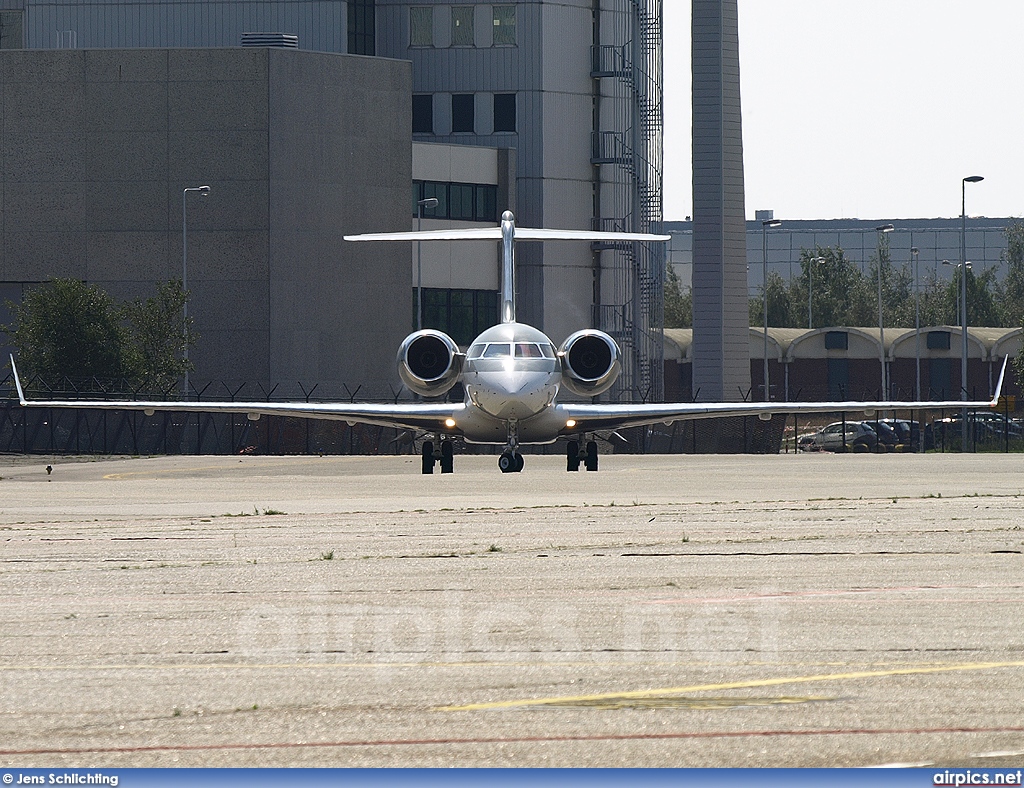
573	456
445	455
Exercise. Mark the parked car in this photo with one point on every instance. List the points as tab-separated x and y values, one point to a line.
859	437
908	432
888	440
985	426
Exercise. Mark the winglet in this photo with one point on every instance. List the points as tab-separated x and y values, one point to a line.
999	384
17	382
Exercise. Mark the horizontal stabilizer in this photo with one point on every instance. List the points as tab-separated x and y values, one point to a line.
494	233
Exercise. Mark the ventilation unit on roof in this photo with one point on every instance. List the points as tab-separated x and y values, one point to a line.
282	40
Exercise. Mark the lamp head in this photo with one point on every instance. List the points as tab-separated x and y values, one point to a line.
204	190
429	202
771	222
885	228
974	178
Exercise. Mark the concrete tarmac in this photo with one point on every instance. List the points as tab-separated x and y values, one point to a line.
813	610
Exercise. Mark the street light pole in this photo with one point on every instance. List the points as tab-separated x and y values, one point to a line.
765	224
882	230
963	301
914	255
429	202
810	289
204	191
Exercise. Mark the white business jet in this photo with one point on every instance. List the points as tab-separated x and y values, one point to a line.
511	375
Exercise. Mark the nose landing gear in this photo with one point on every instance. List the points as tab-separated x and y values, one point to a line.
511	461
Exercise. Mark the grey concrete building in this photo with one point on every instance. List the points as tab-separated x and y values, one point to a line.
720	314
572	87
298	148
935	239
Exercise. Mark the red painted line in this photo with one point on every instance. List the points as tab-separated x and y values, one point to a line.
506	740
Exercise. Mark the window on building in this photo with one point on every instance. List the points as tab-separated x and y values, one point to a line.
460	201
362	32
462	314
938	340
504	18
504	112
439	191
462	26
463	113
486	204
471	202
837	340
423	113
421	26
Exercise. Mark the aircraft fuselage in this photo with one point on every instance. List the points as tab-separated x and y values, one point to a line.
511	375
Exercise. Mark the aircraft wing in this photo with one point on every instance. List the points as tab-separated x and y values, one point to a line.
613	416
416	416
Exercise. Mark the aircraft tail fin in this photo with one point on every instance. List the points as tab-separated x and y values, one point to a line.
999	384
508	234
17	382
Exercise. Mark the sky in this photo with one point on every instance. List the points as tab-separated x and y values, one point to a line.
868	109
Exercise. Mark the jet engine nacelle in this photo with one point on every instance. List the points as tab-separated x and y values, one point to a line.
429	362
590	362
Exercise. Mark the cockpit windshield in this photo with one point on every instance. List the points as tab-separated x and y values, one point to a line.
498	350
506	349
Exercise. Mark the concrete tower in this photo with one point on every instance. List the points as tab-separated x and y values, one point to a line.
721	367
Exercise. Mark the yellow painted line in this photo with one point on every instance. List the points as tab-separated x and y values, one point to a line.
864	674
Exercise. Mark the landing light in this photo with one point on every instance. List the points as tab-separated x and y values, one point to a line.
449	423
570	423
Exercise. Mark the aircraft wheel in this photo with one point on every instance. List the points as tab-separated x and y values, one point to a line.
447	457
428	456
507	462
572	456
591	461
520	462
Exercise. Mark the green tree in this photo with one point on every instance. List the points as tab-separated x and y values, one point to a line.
66	328
778	304
158	335
678	305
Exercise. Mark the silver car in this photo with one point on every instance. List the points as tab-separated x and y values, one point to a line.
859	437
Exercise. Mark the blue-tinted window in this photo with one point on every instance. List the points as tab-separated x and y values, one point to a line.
471	202
462	314
423	114
463	113
837	340
504	112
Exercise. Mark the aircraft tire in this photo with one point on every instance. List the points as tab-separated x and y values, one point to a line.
428	456
507	462
520	462
447	457
591	461
572	456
